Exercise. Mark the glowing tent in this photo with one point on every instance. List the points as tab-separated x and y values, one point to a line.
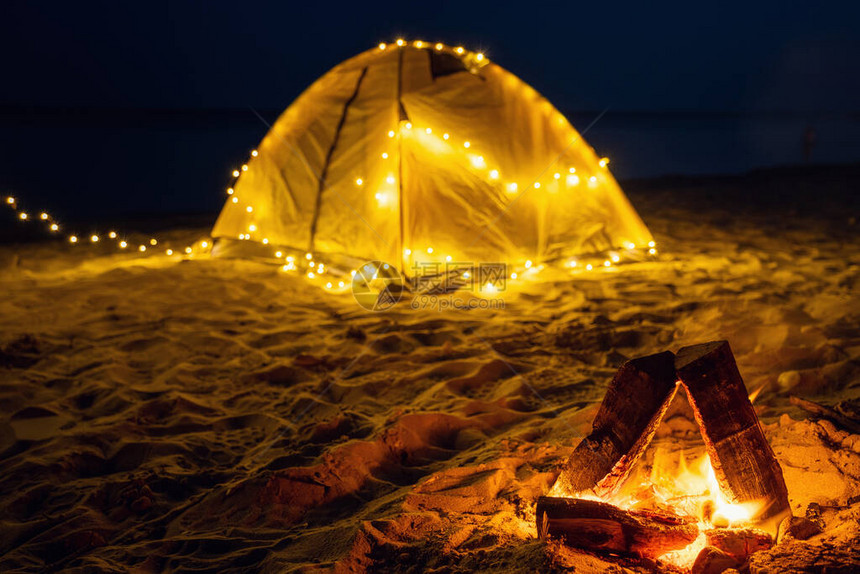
416	152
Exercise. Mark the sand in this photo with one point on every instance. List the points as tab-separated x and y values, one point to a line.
218	415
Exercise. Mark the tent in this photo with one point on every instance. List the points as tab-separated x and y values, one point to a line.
413	153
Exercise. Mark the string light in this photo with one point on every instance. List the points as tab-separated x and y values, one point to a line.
142	248
112	234
478	161
94	238
123	244
153	242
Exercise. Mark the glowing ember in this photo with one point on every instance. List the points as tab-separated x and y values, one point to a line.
674	486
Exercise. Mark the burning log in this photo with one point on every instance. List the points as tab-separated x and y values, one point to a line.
631	411
712	560
743	461
603	527
739	543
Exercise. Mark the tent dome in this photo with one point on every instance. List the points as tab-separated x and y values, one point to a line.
415	152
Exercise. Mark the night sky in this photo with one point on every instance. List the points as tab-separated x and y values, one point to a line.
745	57
584	55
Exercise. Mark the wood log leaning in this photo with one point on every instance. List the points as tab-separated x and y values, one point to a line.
631	411
743	461
598	526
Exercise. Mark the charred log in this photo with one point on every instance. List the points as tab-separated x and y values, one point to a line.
598	526
628	417
743	461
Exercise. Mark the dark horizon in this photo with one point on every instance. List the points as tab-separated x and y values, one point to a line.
161	101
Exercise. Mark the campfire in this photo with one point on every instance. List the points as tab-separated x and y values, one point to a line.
717	508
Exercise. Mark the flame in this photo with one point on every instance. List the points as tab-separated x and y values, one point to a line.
676	486
756	393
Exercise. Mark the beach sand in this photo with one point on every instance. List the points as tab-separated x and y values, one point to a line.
217	415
